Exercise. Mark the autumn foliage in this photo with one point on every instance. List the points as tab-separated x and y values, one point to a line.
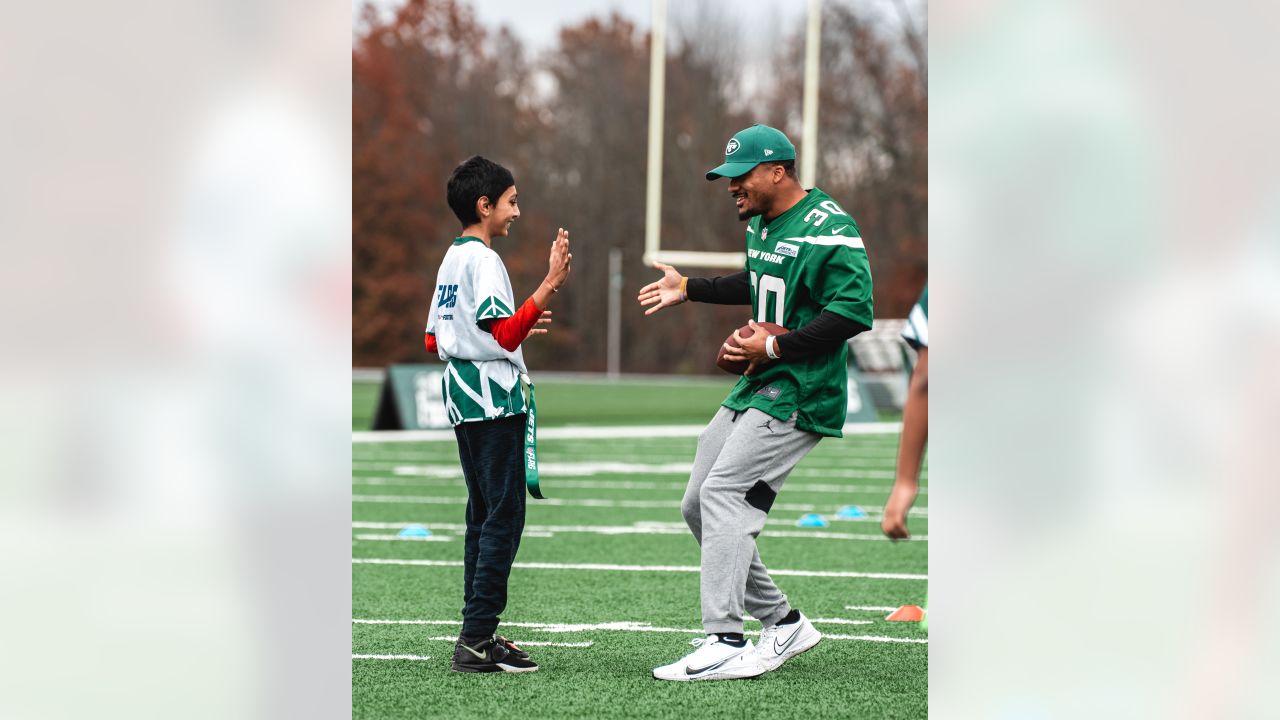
432	86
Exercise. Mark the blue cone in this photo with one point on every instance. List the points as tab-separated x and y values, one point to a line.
812	520
415	531
851	512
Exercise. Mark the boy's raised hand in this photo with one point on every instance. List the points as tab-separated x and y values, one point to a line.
557	275
558	264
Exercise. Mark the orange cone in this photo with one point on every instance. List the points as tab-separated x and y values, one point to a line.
907	613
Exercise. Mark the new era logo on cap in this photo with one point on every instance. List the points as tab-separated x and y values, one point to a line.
756	144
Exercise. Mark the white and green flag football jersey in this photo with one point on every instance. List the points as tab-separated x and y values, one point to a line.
916	331
806	260
482	381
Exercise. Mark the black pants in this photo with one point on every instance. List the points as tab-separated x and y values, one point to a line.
492	454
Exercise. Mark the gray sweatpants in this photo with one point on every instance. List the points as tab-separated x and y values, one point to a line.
742	461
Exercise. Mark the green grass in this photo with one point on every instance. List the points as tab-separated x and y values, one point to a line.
838	678
364	402
579	402
678	401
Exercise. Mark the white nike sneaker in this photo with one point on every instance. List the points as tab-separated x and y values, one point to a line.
713	660
780	643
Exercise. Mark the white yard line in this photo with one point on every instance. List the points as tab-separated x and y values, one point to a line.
409	538
654	529
591	469
594	433
606	567
456	481
530	643
870	608
860	462
597	502
630	450
547	469
553	530
660	528
622	626
876	638
390	657
858	457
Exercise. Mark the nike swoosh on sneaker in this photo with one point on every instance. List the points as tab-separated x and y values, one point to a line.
691	671
778	649
481	656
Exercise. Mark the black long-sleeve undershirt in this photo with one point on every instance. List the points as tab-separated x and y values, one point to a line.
823	335
732	289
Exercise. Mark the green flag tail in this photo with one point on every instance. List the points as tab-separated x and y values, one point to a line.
531	444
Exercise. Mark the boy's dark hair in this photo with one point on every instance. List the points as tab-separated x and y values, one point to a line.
475	178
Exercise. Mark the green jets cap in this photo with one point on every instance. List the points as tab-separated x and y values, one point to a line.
749	148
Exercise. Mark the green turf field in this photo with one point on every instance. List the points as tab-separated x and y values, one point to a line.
603	590
577	401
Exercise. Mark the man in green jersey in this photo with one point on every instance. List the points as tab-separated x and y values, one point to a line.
806	270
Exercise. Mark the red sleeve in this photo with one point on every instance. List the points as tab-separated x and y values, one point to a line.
511	331
431	344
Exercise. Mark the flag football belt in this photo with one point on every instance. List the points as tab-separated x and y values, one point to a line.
531	441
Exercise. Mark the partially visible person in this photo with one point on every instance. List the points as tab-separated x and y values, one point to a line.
915	426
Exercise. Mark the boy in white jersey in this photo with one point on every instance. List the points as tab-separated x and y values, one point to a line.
472	326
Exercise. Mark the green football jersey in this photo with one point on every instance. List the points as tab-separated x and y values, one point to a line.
808	259
916	331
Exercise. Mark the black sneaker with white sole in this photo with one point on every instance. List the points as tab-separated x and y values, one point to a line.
490	655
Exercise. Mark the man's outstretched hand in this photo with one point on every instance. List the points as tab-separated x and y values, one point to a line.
663	293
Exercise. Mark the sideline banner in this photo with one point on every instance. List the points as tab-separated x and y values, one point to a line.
862	407
412	398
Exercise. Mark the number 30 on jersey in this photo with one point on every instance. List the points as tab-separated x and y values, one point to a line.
771	294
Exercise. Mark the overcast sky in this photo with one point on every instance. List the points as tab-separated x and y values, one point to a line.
537	23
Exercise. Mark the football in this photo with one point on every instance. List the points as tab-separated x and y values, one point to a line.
737	368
